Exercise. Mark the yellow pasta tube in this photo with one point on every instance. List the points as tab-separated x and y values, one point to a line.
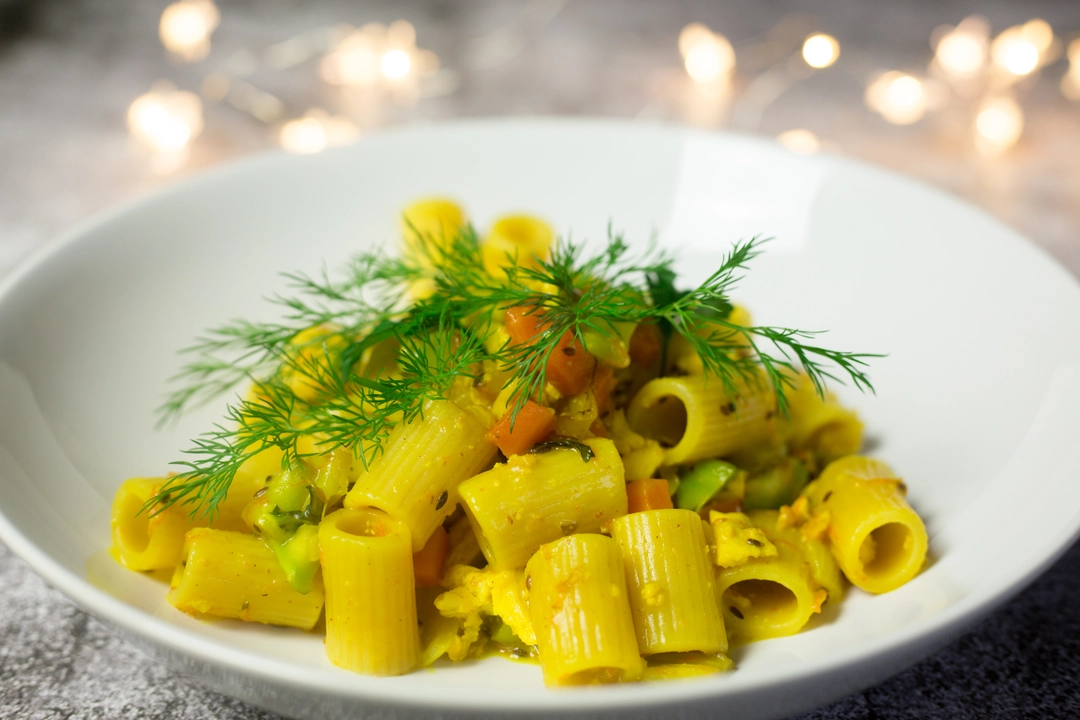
878	540
768	597
821	424
534	499
580	612
428	228
150	540
823	566
233	575
417	476
671	582
516	239
367	567
695	418
435	220
154	539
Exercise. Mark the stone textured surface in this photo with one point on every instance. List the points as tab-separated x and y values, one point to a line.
69	69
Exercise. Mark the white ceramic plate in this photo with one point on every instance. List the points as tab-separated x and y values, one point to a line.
978	402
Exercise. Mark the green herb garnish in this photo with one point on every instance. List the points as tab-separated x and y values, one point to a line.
331	382
584	450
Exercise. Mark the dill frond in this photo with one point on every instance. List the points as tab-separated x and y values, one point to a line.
314	374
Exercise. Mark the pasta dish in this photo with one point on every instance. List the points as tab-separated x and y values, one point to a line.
500	443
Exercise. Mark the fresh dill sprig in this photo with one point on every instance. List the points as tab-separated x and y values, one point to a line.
350	358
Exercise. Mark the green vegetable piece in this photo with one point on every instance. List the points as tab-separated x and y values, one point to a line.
503	635
289	490
698	486
779	485
332	481
299	557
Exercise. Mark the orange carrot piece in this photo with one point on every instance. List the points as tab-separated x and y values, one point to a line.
569	367
603	386
533	423
645	344
522	324
648	495
430	563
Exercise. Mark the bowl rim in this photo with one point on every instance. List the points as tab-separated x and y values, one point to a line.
927	632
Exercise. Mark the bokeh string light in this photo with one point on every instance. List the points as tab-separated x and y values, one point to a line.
316	131
1020	50
708	57
962	52
377	56
1070	81
970	72
999	122
820	50
186	26
898	97
800	141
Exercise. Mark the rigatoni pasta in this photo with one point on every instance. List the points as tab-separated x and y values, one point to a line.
234	575
533	499
878	540
498	443
417	476
370	594
697	417
671	582
581	612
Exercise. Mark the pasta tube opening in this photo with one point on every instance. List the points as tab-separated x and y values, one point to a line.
664	422
762	601
132	536
696	417
887	550
367	566
768	597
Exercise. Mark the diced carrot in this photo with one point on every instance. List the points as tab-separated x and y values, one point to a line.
533	423
569	367
603	385
648	494
522	324
430	563
645	344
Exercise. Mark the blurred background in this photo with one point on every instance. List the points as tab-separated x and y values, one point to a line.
103	100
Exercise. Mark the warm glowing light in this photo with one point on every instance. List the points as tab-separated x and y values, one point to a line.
820	50
1039	33
998	125
1070	82
799	140
962	51
395	64
898	97
708	56
186	26
303	136
315	132
1019	58
693	35
375	55
165	120
1022	49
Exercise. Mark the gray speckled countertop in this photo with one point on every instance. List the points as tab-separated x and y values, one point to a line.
70	68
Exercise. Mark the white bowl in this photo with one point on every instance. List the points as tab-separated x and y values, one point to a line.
978	402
